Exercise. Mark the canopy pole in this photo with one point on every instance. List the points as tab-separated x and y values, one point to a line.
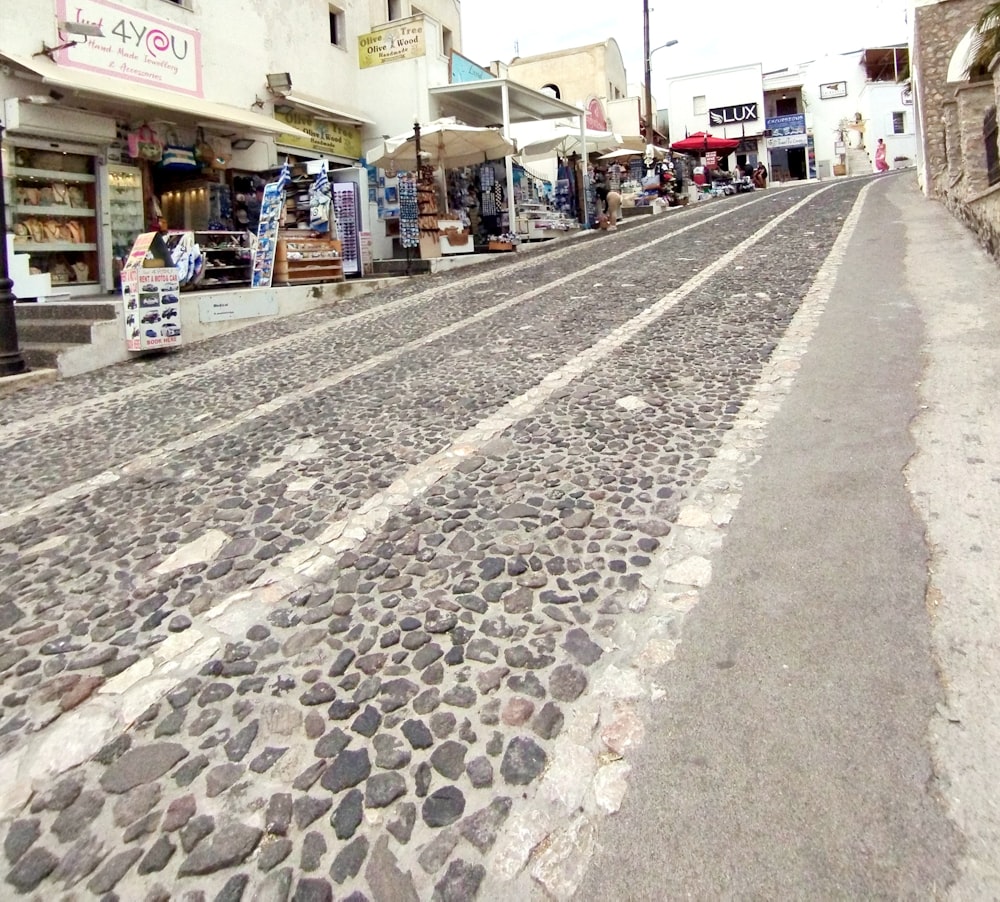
586	171
508	160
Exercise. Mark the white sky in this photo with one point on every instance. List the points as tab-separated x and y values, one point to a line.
776	33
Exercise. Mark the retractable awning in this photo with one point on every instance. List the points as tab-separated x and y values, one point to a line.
481	103
323	110
150	102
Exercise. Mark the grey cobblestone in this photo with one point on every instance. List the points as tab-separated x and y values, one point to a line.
371	728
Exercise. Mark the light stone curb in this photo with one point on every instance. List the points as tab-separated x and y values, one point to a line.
535	842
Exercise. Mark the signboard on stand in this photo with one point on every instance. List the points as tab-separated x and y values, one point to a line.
271	207
151	296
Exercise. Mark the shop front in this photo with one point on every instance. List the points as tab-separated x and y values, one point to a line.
98	147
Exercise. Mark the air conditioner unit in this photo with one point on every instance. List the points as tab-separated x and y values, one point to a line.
52	121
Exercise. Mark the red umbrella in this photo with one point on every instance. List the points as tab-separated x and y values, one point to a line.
702	142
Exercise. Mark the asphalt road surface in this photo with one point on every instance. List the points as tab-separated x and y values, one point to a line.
646	565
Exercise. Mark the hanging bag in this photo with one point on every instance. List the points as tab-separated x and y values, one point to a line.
177	155
143	144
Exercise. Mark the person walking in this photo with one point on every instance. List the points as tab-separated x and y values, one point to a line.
614	204
760	175
881	165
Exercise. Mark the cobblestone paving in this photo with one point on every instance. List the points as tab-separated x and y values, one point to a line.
329	652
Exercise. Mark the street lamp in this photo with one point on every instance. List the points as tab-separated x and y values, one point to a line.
11	361
647	53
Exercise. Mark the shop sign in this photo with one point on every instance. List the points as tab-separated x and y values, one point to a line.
596	120
833	89
324	136
781	126
399	40
738	112
136	47
237	305
463	70
150	298
787	141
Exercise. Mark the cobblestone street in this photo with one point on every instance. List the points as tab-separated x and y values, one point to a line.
361	604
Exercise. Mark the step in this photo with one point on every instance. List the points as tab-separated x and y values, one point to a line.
41	355
398	267
63	310
54	331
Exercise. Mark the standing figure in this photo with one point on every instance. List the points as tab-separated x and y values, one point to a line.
614	202
880	162
760	175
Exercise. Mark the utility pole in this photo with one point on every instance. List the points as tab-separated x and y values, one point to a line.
649	78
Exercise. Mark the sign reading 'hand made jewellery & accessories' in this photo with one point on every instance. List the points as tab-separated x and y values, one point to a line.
135	47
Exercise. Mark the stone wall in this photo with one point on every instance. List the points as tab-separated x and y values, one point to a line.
952	121
937	30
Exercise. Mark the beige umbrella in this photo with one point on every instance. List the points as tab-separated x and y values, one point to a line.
565	140
445	143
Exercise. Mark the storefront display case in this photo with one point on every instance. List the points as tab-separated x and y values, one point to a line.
301	259
538	222
53	202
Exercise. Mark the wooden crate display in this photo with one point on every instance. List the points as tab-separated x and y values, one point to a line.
303	260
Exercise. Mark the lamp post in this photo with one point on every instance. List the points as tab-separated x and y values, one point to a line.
11	361
649	77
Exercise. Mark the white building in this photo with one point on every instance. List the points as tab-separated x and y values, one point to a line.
814	120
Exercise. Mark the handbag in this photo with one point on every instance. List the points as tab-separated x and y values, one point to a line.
143	144
178	157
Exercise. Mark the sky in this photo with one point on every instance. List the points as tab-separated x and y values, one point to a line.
776	33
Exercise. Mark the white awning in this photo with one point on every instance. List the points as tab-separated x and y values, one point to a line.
151	102
322	110
482	103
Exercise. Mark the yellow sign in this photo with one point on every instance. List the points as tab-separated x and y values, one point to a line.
399	40
324	137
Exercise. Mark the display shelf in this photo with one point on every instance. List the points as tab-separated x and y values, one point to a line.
49	247
51	175
59	210
304	260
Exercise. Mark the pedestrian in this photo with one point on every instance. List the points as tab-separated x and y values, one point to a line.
614	201
760	175
880	162
601	190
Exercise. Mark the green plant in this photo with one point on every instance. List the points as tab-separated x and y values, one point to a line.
985	40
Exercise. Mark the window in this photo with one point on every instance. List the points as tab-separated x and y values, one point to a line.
700	105
991	137
338	28
899	123
447	41
786	106
395	10
184	4
552	90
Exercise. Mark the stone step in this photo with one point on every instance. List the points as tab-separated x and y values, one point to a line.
54	331
41	355
83	310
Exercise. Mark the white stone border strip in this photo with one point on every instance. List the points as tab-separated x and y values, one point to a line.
168	452
78	735
13	432
550	840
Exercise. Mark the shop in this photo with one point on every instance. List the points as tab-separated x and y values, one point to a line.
93	159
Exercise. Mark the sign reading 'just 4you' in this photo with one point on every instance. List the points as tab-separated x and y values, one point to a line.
135	47
399	40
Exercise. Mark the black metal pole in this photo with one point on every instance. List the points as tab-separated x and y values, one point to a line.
649	77
416	142
11	361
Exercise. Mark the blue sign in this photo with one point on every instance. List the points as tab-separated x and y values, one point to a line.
786	125
463	70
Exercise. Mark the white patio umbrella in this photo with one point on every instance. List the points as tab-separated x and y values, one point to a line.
624	152
565	140
444	142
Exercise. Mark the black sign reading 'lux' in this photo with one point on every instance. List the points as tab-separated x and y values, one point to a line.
739	112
